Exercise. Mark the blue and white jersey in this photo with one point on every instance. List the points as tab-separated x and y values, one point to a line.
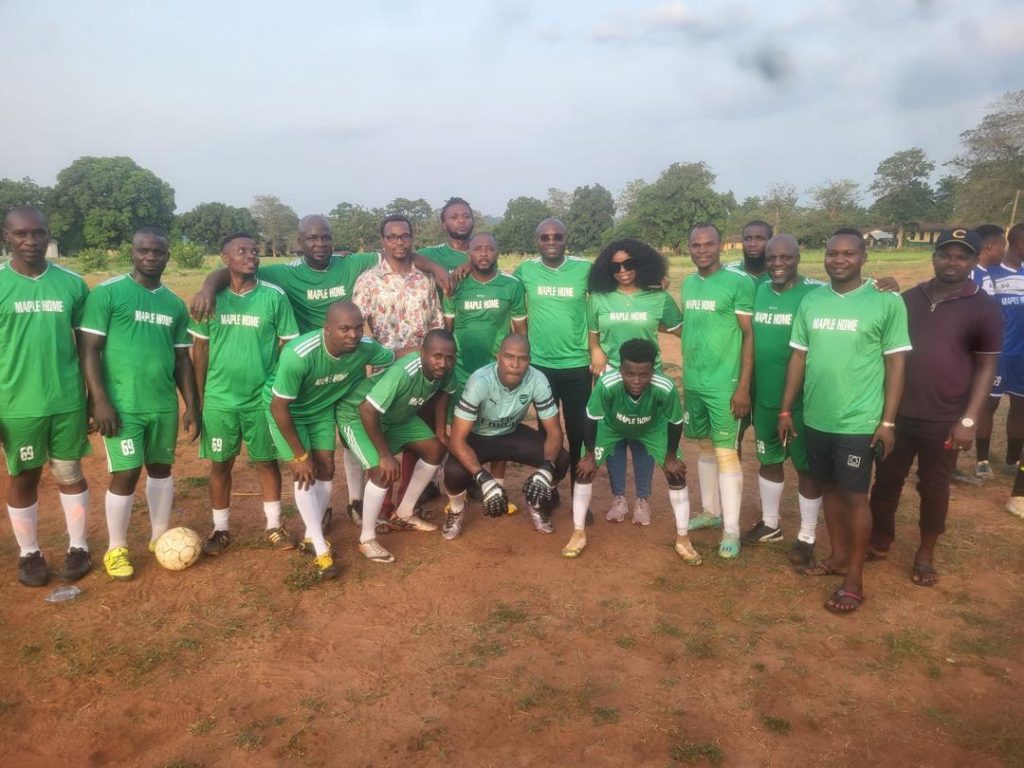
983	279
1008	290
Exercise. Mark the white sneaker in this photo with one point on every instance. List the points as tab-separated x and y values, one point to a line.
452	526
576	544
375	552
686	551
411	523
1015	506
641	512
541	521
617	511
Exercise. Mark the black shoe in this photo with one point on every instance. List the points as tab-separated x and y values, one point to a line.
217	543
32	570
325	520
76	564
762	534
802	553
473	492
556	500
355	512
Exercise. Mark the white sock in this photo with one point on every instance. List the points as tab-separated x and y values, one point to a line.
809	509
730	485
707	476
76	509
500	481
311	512
119	513
323	490
159	498
422	474
680	501
771	498
373	500
457	503
23	521
580	504
272	509
353	475
220	519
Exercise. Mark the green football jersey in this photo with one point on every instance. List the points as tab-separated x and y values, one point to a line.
143	329
846	337
314	380
243	336
737	266
444	255
656	407
495	409
39	373
618	317
773	325
556	300
310	291
402	390
712	340
482	314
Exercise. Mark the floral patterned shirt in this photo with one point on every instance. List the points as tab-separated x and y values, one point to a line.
399	308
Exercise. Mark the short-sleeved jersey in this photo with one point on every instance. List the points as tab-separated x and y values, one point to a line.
311	291
314	380
143	329
737	266
444	255
846	337
556	300
656	407
712	339
618	317
983	279
39	373
243	336
400	392
773	327
495	409
482	314
1008	291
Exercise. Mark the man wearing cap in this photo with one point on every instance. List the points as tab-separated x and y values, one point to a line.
1014	259
955	331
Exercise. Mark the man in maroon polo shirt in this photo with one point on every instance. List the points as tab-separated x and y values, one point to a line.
956	332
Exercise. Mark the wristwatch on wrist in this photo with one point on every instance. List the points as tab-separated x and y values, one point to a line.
967	422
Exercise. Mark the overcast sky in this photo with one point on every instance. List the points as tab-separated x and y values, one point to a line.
324	102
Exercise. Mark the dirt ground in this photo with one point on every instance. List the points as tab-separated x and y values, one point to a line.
494	651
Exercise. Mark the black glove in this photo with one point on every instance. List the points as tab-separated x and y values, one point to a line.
539	487
493	498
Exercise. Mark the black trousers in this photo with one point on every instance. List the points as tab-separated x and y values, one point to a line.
571	389
523	446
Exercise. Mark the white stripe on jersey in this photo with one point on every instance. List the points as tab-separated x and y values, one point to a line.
277	288
414	366
303	349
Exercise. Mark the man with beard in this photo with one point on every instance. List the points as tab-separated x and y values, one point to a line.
755	237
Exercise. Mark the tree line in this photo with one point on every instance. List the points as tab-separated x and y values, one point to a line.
99	202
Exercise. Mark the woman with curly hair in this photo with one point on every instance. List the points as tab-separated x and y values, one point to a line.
627	301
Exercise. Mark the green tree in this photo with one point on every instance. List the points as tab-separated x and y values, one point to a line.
515	232
838	201
590	215
418	211
101	202
991	166
559	201
946	192
627	197
277	222
208	223
682	197
24	192
780	207
903	196
355	227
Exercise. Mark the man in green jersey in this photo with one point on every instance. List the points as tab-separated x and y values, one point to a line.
718	354
482	309
315	371
775	305
42	399
487	426
849	343
556	302
457	222
633	403
378	423
754	237
233	354
135	350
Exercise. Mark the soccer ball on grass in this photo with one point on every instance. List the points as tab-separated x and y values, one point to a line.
178	548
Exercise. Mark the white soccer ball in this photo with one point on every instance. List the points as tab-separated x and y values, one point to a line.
178	548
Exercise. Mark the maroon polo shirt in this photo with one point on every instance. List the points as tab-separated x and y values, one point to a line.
946	335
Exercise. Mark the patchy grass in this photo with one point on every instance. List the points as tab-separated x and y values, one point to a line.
776	724
202	727
697	752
